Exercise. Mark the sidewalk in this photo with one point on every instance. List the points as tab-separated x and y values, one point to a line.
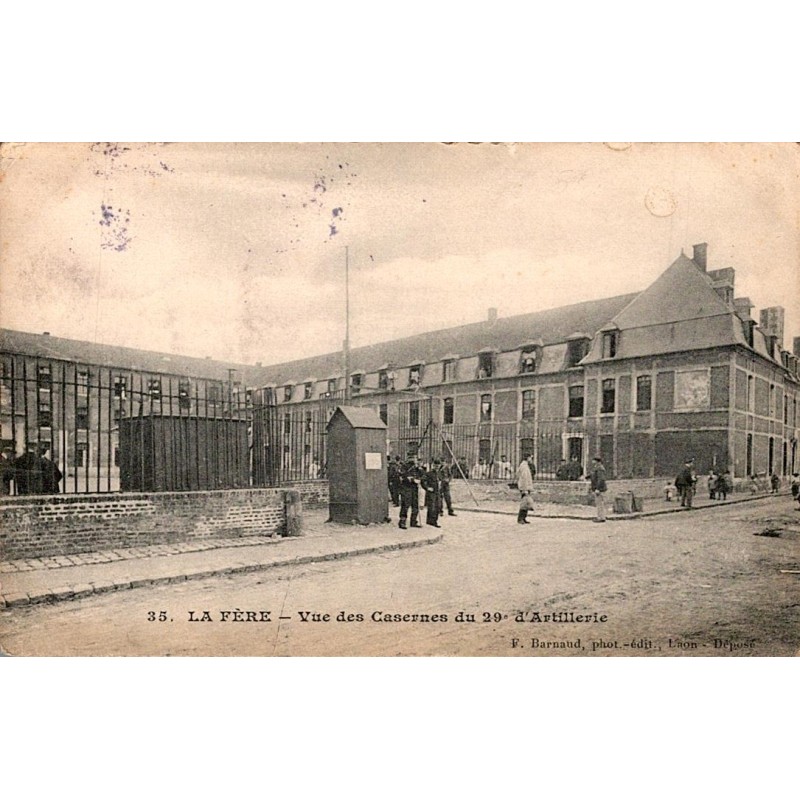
28	581
656	506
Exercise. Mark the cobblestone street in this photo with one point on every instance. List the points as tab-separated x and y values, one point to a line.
693	583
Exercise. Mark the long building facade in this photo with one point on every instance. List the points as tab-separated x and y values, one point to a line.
645	380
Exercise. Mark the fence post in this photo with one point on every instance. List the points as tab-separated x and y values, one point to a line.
293	512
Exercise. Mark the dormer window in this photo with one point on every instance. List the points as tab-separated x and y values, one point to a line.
355	382
308	389
331	385
448	370
287	394
577	348
610	343
415	375
485	364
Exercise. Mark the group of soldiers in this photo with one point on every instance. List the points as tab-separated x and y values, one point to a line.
407	477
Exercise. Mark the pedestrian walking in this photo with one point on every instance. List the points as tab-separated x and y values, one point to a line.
445	476
775	483
525	474
712	485
431	483
410	476
685	482
599	488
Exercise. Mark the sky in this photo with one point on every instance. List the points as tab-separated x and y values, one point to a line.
237	251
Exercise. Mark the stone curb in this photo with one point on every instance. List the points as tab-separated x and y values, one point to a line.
611	516
82	590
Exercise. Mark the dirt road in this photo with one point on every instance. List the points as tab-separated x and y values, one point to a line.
692	583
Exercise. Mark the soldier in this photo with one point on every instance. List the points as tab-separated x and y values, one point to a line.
686	480
445	476
410	476
431	483
394	480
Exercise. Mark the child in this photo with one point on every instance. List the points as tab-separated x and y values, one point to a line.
669	492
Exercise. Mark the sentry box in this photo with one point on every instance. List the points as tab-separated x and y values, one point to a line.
357	476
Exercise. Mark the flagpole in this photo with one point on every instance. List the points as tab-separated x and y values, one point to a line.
347	324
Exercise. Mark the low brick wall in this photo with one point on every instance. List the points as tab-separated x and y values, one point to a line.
313	493
31	527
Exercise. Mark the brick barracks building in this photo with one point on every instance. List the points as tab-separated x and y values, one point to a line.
644	380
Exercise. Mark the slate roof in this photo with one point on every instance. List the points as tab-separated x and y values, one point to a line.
124	358
551	326
359	417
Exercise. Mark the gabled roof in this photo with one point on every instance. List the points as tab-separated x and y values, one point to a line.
358	417
682	292
550	326
39	345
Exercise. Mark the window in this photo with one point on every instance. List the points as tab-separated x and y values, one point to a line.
287	393
355	383
287	424
528	361
609	396
45	417
82	380
772	408
154	388
44	377
785	410
750	394
82	418
448	411
81	455
331	385
307	391
383	413
415	375
576	401
308	421
413	414
610	343
120	386
485	365
528	404
576	350
213	393
644	393
486	408
383	379
448	370
184	393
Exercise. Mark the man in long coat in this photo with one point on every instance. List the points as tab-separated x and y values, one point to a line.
410	476
525	473
432	484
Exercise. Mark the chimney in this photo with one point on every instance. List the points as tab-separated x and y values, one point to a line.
46	333
492	315
742	306
700	255
259	364
772	322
